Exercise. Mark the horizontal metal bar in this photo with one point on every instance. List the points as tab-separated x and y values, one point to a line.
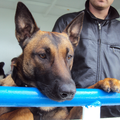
32	97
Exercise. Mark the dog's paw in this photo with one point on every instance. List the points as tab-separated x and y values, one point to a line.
108	84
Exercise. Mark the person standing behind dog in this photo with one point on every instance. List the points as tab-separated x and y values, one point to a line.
98	53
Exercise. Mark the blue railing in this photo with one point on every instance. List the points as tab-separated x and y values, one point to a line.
31	97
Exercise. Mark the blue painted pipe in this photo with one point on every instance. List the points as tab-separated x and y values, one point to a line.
31	97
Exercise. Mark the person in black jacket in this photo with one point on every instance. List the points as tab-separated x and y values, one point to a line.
97	55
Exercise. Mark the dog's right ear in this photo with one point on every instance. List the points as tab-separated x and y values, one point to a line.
74	29
25	24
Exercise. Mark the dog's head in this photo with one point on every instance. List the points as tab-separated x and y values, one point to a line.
47	56
2	75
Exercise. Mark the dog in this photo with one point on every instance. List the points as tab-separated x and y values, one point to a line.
45	63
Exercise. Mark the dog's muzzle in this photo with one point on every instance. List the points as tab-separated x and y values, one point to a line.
58	91
67	91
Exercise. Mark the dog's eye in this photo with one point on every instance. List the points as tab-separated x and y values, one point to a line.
43	56
69	57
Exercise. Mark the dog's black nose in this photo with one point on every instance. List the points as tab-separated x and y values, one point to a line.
67	91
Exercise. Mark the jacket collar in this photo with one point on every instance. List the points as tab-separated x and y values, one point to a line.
112	14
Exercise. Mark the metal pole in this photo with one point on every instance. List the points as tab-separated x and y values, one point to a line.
32	97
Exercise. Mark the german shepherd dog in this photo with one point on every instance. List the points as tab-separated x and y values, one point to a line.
45	63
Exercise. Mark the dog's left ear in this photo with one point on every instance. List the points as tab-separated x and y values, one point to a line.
25	24
74	29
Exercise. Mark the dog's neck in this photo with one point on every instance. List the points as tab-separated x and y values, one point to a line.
17	80
40	114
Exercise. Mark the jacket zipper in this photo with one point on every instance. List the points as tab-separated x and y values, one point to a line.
99	52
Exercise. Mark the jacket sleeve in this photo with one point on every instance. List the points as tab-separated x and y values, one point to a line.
63	21
59	25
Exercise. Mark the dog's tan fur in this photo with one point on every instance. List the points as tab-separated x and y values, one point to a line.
19	114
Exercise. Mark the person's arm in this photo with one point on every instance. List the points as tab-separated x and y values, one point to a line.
63	21
59	25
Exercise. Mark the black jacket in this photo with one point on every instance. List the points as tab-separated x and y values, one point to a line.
98	54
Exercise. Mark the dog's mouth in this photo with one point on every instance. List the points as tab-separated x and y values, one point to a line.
54	92
56	96
52	95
